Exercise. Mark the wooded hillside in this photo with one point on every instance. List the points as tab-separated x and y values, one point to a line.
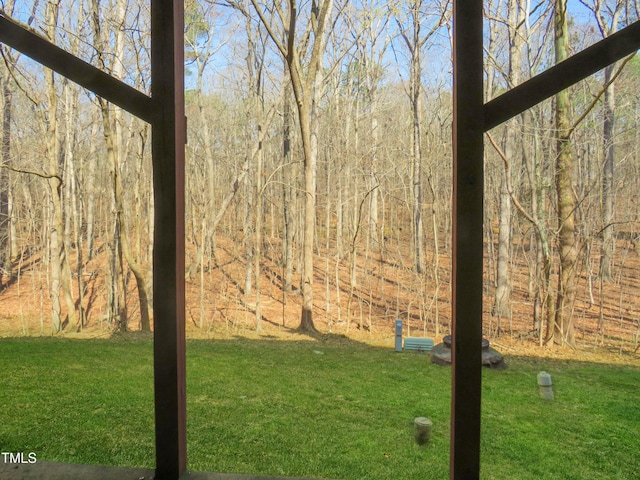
319	172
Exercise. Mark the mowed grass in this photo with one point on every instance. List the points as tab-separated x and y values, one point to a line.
332	409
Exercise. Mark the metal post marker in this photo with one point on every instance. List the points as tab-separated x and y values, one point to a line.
398	335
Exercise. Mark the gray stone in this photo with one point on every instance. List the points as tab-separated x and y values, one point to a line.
441	354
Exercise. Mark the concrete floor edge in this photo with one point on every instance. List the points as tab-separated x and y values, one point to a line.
67	471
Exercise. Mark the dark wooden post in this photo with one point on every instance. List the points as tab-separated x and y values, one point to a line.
468	184
167	94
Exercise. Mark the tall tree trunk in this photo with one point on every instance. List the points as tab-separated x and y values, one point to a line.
122	235
308	232
608	236
6	239
74	215
247	213
436	255
255	63
372	176
60	270
257	247
306	82
13	221
561	331
537	248
501	306
112	130
416	114
607	16
90	192
289	217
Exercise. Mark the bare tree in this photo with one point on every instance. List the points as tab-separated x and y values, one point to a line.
7	240
112	122
60	270
561	332
501	306
306	80
288	192
607	15
415	42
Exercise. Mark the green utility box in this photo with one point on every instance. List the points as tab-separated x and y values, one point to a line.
418	344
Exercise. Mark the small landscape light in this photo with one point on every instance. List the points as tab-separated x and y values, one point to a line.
545	386
422	430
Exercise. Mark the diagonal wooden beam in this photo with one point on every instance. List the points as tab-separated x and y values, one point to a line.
60	61
562	75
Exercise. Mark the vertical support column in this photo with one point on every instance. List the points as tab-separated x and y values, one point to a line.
468	184
167	92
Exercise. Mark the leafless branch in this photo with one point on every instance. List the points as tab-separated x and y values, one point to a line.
31	172
515	201
600	93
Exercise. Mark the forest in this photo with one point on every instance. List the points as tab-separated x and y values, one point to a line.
319	173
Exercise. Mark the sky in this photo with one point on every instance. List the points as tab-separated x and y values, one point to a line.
437	59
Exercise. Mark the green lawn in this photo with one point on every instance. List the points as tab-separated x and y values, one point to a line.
336	409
